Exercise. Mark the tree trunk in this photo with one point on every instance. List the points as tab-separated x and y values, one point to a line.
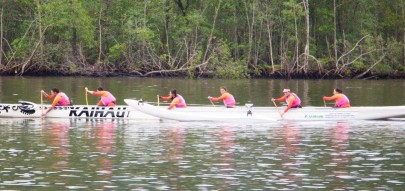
297	41
403	34
100	48
74	44
144	51
270	44
212	32
250	30
258	44
306	50
235	34
166	46
334	33
39	18
1	38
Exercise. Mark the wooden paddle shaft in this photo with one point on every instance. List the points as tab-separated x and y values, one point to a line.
275	105
42	104
87	101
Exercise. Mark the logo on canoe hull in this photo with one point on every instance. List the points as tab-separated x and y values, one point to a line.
314	116
98	113
25	108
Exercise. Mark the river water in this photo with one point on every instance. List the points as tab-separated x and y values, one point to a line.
71	154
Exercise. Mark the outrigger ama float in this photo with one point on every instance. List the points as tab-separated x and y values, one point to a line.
27	109
248	113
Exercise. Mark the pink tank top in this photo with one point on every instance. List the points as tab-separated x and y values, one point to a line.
182	102
108	99
342	101
297	101
65	100
229	101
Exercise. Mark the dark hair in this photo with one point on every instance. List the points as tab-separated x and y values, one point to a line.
338	90
100	89
56	90
224	88
174	93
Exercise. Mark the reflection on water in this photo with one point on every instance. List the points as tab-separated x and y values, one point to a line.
63	154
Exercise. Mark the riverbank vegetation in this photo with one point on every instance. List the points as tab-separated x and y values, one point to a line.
199	38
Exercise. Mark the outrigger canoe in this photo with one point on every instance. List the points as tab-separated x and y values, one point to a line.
250	113
25	109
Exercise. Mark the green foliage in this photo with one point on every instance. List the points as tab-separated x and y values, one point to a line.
358	65
383	69
21	47
166	35
64	16
116	52
326	63
225	67
394	53
232	70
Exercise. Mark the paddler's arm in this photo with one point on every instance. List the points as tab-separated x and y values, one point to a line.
290	102
165	98
331	98
54	103
97	93
222	97
174	102
280	99
47	96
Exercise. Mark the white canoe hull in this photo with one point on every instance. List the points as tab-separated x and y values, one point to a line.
32	110
268	113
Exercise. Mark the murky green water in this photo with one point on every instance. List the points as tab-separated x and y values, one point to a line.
257	91
69	154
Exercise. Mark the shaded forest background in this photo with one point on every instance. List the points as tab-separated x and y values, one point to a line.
200	38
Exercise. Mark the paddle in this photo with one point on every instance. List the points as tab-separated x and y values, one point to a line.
275	105
212	103
324	103
87	101
42	104
158	100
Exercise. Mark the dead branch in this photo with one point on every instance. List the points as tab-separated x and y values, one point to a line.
350	51
351	62
371	67
32	53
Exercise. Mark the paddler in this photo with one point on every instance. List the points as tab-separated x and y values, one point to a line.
292	100
106	98
59	99
341	100
177	100
228	99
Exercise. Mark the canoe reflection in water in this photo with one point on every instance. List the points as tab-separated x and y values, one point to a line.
227	142
105	134
339	156
174	144
226	136
289	150
58	137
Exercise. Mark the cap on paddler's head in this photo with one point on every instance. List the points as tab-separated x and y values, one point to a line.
286	90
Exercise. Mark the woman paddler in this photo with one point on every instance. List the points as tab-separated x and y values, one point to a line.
228	99
292	100
59	99
341	99
177	100
106	98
